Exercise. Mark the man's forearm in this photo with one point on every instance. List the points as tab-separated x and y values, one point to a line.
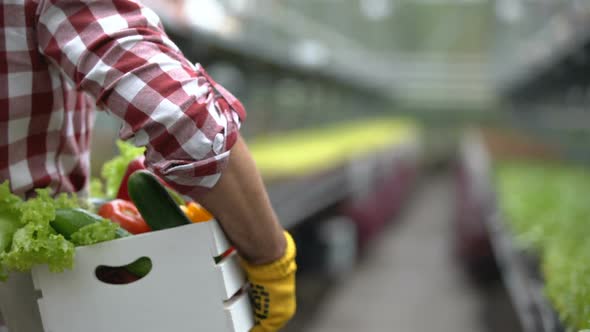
240	202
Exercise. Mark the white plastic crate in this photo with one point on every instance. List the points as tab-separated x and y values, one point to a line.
185	290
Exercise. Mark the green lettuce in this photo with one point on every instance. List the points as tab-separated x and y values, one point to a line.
114	169
28	239
9	215
9	221
37	244
96	188
105	230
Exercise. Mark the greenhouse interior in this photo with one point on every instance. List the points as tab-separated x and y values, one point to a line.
428	158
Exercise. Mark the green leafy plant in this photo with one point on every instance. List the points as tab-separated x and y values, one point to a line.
113	171
27	238
547	208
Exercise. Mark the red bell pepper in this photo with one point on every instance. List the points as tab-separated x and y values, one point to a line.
134	165
125	214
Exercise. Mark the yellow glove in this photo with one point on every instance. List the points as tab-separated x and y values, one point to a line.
273	290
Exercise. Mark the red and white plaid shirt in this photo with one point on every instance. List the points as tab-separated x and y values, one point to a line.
59	59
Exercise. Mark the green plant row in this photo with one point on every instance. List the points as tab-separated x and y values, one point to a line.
547	209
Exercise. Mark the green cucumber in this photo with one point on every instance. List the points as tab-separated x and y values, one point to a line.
176	197
140	267
69	221
157	207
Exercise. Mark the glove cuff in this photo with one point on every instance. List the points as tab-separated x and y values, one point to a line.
278	269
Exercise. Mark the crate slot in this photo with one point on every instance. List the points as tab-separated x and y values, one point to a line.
239	313
232	275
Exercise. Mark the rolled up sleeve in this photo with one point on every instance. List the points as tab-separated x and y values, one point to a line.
118	53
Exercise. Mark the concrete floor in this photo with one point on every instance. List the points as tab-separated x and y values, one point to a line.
409	281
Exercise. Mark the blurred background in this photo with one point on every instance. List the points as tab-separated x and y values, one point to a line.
429	156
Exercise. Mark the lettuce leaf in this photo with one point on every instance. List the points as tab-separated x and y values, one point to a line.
9	220
96	188
105	230
37	244
32	241
114	170
9	215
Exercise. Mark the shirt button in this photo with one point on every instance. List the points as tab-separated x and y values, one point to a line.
218	143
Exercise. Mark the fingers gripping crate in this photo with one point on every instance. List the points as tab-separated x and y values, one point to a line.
184	291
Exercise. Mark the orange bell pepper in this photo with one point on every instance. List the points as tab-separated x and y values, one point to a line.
196	213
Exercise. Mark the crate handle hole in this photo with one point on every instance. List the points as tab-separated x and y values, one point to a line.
125	274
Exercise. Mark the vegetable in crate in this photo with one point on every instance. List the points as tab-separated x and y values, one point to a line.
28	239
156	205
137	164
115	174
134	165
9	216
159	208
125	214
113	171
195	212
85	228
44	230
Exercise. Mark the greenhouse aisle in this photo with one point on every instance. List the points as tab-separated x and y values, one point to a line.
410	281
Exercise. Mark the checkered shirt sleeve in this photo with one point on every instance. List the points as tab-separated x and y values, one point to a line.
117	52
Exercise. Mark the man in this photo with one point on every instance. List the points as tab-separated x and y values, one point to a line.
61	58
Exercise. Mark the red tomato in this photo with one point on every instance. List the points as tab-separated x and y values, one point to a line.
125	214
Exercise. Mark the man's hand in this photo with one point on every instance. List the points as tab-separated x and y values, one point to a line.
273	289
241	205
